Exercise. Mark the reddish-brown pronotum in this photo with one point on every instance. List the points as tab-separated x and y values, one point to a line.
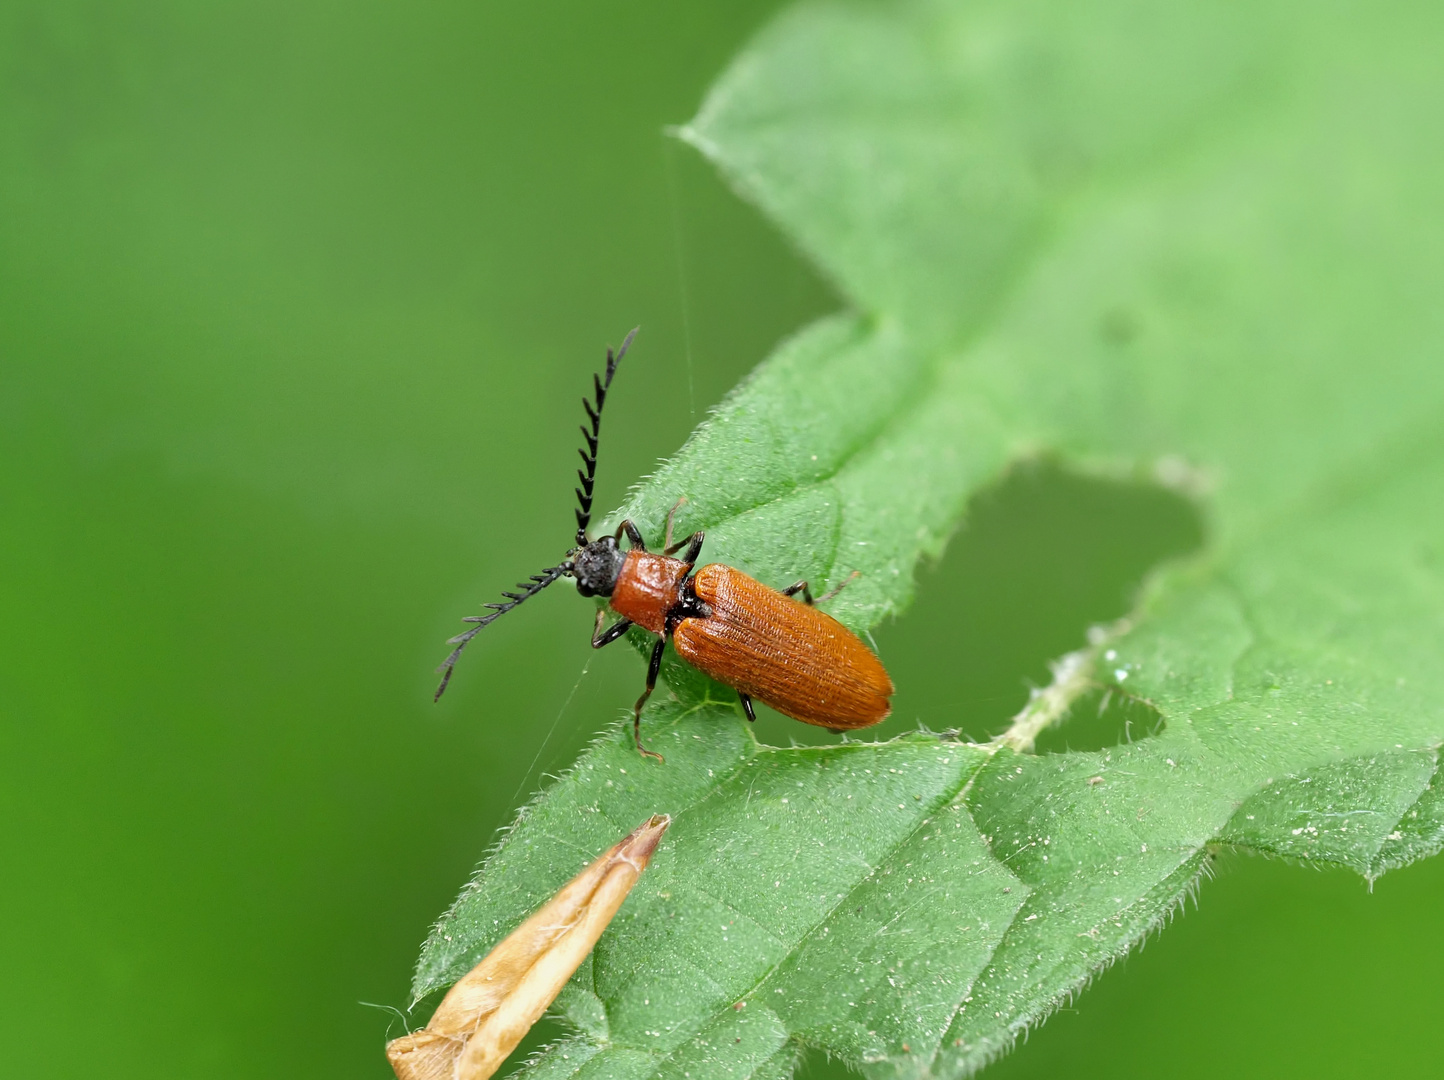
485	1015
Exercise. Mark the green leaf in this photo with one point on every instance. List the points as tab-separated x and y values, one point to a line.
1199	244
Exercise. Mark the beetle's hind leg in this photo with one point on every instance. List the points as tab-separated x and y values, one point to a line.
653	669
801	587
747	706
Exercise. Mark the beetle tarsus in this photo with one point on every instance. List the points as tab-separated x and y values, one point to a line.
653	670
637	734
845	583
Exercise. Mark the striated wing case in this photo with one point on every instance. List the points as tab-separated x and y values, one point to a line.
797	659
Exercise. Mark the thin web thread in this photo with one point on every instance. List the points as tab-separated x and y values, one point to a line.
526	776
669	167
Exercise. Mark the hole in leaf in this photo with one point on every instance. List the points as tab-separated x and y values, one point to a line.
1041	556
1101	719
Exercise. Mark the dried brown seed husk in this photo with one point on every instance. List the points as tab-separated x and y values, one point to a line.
485	1015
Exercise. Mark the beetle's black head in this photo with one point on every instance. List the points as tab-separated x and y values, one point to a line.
597	566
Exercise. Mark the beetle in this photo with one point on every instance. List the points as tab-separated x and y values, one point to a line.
762	642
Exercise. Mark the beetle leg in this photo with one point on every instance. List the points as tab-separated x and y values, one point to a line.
667	543
653	669
693	544
799	587
747	706
632	534
602	637
845	583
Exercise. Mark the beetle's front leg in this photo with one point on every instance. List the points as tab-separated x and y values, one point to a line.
693	544
602	637
633	534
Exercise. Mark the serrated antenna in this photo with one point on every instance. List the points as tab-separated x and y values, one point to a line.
589	452
530	588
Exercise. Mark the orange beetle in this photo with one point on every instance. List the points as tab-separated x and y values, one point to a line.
759	641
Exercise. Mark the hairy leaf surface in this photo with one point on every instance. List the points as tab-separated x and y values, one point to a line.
1198	243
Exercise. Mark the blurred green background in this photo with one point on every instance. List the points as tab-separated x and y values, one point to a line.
297	301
